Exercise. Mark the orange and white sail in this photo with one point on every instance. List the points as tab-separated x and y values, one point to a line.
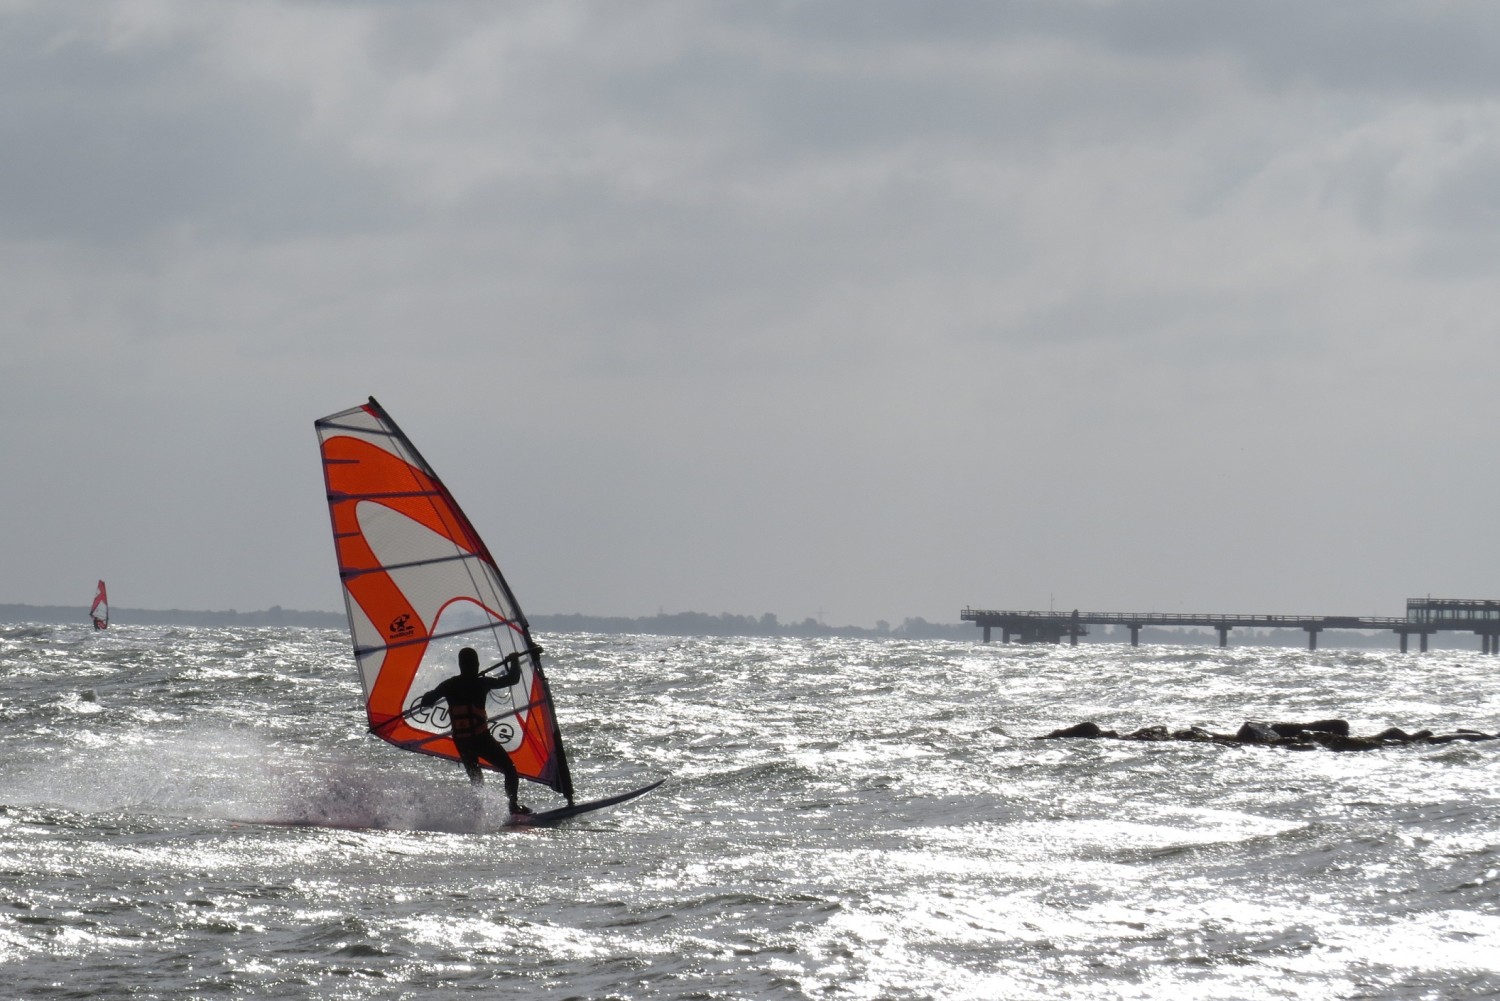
419	584
99	610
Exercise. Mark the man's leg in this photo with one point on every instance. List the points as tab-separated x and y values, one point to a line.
495	755
468	756
471	765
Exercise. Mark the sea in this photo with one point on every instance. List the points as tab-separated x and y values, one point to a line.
199	813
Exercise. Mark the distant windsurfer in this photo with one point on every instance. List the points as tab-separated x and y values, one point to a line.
465	694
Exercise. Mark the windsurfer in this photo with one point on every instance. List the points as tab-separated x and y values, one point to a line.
465	693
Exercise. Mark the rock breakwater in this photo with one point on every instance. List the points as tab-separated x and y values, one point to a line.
1327	734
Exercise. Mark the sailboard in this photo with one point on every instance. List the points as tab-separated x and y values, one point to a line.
419	584
551	818
99	610
514	822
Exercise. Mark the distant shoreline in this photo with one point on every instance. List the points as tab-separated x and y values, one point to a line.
692	625
274	616
674	624
687	624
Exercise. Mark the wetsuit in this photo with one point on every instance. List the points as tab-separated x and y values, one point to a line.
465	695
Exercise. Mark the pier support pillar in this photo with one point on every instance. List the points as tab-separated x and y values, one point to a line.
1072	637
1312	637
1223	635
1404	638
1135	635
986	634
1424	642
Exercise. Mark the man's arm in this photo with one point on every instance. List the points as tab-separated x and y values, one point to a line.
430	699
512	670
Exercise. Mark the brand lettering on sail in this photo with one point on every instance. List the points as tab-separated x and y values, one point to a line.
401	627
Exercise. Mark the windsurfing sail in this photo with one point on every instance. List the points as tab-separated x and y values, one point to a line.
419	585
99	610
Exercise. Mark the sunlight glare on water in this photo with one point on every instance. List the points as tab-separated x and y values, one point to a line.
842	819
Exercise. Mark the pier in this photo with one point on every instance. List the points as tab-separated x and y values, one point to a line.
1424	617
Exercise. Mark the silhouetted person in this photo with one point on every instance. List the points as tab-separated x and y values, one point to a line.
465	694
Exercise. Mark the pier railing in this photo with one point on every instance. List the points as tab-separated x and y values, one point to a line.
1051	626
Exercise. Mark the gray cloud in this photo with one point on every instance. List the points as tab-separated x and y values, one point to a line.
875	308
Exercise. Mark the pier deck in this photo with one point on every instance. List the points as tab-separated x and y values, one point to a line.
1424	616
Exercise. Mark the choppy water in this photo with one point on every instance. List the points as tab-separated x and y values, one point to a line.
844	819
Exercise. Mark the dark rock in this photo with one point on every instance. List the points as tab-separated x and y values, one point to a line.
1335	726
1397	735
1335	742
1088	731
1257	733
1332	734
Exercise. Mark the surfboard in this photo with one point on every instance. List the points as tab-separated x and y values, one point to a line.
550	818
542	818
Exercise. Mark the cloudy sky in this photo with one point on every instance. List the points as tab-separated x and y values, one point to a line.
857	310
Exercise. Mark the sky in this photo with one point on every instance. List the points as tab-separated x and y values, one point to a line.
855	311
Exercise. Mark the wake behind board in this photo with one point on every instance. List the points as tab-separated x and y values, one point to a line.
550	818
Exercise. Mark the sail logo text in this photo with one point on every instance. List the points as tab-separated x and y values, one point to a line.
401	627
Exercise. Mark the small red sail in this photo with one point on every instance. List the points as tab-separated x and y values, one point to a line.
419	584
99	610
